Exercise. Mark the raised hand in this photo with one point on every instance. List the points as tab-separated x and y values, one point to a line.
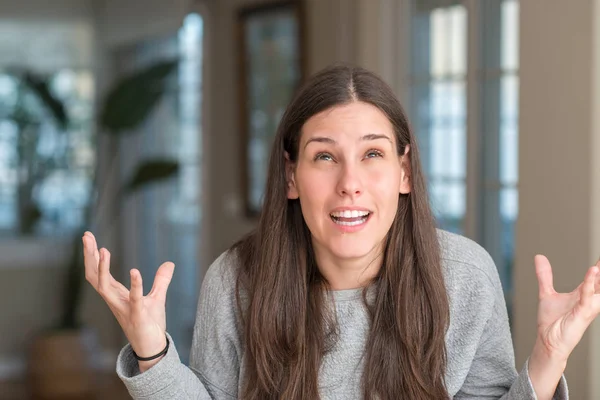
564	317
562	321
142	318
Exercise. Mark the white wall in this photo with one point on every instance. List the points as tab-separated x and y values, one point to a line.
124	22
46	35
559	173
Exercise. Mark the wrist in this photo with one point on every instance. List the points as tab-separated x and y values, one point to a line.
145	362
146	365
545	369
545	356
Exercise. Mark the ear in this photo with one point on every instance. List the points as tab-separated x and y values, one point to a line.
292	192
405	180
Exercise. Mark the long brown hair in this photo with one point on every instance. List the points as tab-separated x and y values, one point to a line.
287	328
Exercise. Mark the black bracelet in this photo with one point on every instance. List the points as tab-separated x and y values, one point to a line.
162	353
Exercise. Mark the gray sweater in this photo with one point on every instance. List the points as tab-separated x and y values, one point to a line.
479	347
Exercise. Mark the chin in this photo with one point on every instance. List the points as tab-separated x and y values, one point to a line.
348	250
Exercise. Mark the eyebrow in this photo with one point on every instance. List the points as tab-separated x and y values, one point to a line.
325	139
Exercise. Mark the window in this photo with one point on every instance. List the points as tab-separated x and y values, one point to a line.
439	93
163	222
45	173
464	107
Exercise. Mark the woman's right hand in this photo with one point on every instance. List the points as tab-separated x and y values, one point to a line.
142	318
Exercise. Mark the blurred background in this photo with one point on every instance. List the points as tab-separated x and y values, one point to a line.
150	122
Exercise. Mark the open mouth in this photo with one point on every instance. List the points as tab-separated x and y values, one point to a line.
350	218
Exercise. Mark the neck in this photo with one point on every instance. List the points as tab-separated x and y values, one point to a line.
348	273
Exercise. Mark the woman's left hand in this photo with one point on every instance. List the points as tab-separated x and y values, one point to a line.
562	321
564	317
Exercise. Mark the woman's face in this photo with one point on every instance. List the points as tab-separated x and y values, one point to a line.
348	177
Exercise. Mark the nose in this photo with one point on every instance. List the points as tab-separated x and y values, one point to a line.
350	182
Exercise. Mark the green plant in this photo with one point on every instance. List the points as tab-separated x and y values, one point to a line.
127	104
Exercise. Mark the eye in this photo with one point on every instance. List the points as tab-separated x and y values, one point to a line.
323	157
373	154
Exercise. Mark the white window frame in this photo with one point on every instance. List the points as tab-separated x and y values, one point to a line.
482	219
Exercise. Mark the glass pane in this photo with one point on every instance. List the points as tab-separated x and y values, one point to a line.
45	171
510	35
272	76
8	93
458	39
509	97
448	32
62	197
508	211
439	47
509	130
8	173
509	203
439	98
448	132
439	110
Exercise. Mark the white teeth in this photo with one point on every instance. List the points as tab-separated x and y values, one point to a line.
351	217
349	214
353	223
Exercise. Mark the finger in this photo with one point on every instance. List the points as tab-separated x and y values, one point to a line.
162	281
90	240
89	235
543	270
96	252
90	262
587	289
104	273
136	294
118	287
115	294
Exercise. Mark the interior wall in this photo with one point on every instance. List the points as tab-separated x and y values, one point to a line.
558	169
593	152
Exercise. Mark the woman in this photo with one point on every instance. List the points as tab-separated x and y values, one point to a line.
346	289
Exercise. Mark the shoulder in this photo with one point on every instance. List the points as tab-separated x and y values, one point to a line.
217	302
465	260
472	280
479	324
221	275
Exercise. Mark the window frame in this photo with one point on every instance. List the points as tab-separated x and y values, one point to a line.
482	219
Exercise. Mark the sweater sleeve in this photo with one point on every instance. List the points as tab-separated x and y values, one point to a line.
214	364
492	374
523	389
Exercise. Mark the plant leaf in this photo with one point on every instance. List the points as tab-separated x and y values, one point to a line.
151	171
40	87
133	97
